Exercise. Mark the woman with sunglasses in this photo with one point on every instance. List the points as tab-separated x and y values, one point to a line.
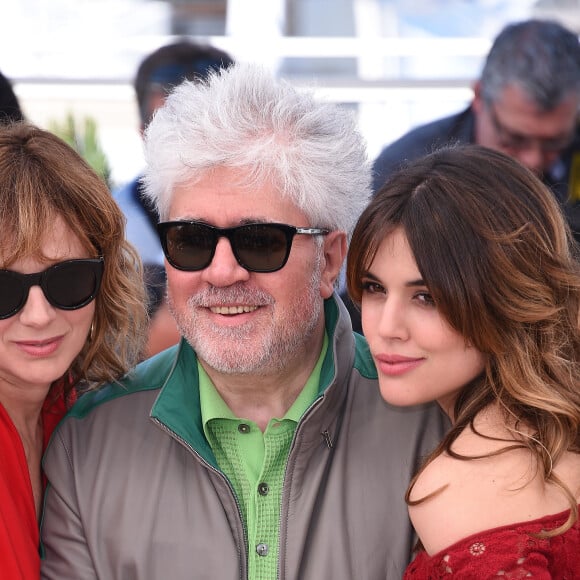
70	287
470	296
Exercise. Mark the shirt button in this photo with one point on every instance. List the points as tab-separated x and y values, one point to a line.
262	549
263	488
243	428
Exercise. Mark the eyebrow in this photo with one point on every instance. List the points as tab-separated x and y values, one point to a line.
409	284
242	222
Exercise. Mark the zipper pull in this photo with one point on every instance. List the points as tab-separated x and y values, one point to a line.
327	439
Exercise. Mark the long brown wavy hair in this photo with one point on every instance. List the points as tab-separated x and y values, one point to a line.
494	249
41	177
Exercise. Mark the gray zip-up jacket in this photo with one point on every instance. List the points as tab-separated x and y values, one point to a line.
136	494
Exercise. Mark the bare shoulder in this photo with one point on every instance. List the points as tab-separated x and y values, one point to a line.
441	496
459	497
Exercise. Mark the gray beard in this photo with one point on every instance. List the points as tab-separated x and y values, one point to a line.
255	348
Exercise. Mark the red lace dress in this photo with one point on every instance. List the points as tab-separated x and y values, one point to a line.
19	534
506	552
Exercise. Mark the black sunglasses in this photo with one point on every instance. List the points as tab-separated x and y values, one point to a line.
261	247
67	285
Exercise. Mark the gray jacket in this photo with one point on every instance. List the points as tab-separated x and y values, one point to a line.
135	491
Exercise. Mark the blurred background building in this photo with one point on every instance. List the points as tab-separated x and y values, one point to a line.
397	63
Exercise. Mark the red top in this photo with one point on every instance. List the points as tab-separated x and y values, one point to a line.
19	535
506	552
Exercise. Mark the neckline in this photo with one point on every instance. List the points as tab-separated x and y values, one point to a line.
546	519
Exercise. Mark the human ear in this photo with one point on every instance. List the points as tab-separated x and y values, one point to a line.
334	255
477	102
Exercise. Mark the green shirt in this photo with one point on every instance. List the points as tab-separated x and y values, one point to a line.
255	462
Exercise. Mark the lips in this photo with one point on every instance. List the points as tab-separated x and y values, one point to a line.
396	365
40	348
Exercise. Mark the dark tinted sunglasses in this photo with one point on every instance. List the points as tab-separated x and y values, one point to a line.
67	285
261	247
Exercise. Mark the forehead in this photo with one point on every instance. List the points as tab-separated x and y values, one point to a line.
227	196
396	242
57	241
394	249
525	115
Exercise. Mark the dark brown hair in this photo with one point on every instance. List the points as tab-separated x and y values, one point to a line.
492	245
169	65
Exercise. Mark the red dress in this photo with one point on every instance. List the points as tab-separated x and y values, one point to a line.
507	552
19	535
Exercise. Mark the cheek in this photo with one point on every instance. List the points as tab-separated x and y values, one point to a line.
181	285
475	361
283	290
370	314
436	336
288	284
82	318
467	361
488	137
80	321
5	325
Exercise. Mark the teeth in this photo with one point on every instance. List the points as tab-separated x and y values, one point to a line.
232	309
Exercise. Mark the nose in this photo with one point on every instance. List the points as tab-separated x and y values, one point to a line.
392	323
37	310
224	269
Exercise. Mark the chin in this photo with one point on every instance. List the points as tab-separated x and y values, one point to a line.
396	398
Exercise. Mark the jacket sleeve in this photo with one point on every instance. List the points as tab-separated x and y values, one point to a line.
64	550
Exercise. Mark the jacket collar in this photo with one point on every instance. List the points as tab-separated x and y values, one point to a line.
177	406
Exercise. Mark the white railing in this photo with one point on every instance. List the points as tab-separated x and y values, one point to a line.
399	83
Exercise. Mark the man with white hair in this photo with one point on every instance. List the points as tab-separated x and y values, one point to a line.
259	447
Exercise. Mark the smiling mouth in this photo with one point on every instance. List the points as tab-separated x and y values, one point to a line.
232	309
41	348
39	343
395	365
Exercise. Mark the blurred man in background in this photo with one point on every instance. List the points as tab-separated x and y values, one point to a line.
525	104
157	75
